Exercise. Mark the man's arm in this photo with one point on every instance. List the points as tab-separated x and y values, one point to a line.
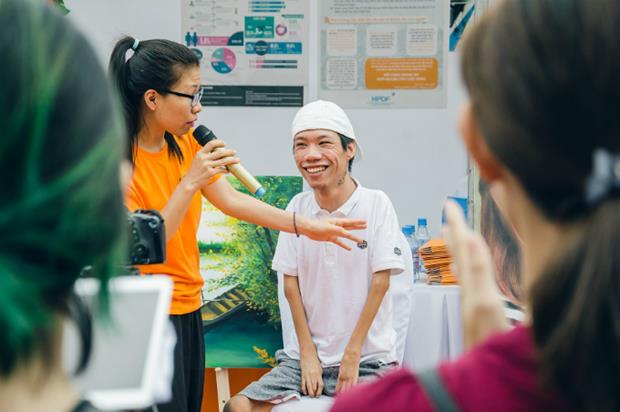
311	370
349	366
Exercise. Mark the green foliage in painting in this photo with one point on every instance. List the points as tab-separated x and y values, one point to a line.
256	245
215	247
264	356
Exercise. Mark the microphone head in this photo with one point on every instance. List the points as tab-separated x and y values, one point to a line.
203	135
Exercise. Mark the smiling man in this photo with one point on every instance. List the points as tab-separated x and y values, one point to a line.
338	299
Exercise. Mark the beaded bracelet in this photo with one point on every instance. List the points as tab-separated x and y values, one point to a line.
295	225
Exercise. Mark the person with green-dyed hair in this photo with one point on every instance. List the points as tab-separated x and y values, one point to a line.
61	210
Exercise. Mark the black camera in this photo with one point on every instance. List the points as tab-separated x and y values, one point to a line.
147	238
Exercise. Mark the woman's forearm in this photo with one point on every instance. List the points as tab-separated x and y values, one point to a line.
249	209
174	211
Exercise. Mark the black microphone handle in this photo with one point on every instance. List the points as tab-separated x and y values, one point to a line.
204	135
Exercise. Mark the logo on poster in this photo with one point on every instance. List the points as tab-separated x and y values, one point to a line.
382	100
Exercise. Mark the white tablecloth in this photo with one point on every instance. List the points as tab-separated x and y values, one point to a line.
435	330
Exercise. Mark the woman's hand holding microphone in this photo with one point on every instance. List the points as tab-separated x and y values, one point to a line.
208	163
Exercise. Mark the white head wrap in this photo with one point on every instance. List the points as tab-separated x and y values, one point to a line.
322	114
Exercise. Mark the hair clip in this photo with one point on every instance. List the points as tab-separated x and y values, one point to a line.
605	175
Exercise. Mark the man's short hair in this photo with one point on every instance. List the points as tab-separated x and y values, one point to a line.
346	141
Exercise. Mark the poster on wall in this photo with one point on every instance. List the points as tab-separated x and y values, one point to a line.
240	313
384	53
252	52
461	14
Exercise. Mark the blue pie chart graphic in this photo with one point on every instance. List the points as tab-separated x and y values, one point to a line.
223	60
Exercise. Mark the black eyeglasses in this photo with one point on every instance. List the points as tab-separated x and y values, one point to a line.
195	98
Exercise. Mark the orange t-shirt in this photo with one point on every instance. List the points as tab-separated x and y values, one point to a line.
155	177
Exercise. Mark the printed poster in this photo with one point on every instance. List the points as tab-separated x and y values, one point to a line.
383	53
252	52
462	12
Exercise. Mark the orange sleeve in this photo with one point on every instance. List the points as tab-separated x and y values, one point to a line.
132	200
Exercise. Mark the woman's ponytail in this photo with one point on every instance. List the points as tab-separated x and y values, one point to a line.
576	314
547	109
118	70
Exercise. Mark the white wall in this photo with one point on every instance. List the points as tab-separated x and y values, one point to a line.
413	155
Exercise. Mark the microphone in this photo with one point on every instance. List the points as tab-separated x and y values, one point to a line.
204	135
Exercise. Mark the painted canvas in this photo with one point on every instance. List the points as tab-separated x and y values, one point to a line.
240	315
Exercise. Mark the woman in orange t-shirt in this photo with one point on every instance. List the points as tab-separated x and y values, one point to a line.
160	88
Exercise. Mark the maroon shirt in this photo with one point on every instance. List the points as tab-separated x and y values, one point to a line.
499	374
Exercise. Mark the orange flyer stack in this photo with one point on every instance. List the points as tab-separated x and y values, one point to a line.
437	262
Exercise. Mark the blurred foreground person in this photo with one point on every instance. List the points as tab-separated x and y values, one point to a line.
543	127
61	209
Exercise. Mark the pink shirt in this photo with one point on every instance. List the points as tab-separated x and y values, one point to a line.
499	374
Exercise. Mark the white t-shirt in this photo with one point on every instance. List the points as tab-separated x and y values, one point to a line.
334	282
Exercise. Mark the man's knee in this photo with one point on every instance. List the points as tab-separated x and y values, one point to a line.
238	403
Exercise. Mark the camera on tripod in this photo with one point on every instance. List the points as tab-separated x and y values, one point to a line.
147	237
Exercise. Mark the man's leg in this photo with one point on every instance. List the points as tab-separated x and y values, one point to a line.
241	403
368	371
372	369
281	383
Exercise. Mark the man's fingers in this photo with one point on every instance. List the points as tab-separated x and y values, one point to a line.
317	391
340	243
303	386
314	385
343	385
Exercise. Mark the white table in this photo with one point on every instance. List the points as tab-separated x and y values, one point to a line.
435	330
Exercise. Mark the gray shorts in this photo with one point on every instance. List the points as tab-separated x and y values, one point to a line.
284	381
